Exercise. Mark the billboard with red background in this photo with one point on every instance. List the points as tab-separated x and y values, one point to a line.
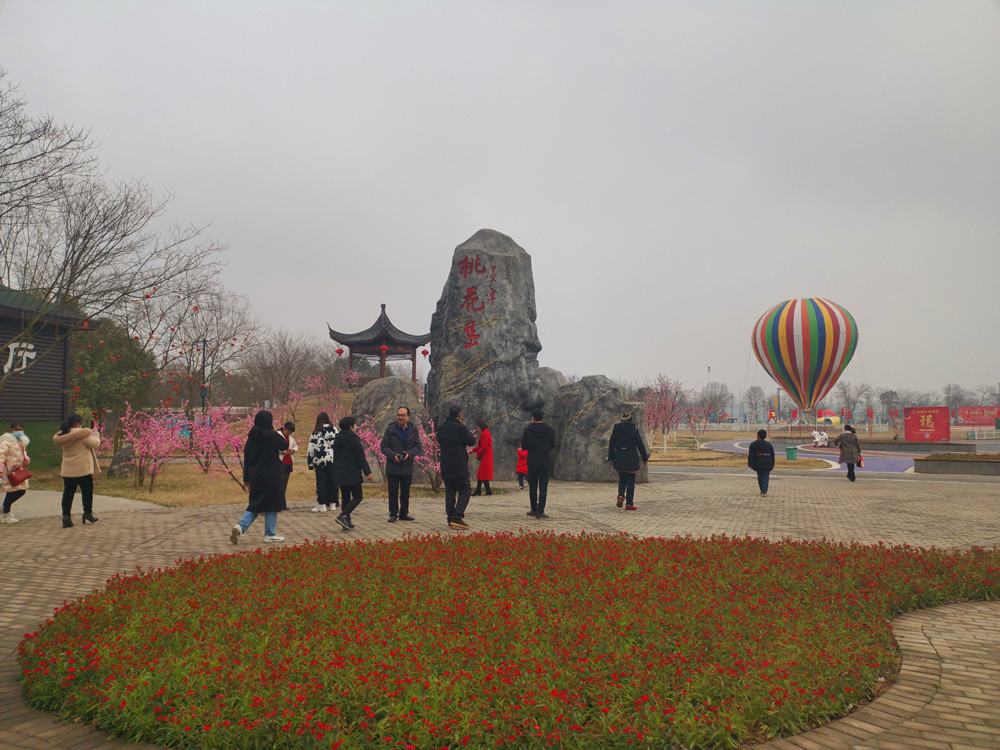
926	424
978	415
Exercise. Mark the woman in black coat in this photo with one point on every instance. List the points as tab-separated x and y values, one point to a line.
263	477
625	450
349	464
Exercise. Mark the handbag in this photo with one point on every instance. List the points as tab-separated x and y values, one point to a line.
18	475
861	461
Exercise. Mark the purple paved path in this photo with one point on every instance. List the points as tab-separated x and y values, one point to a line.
884	461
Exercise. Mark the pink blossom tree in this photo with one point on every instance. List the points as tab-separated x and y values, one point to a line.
696	418
665	399
429	459
217	440
372	442
155	435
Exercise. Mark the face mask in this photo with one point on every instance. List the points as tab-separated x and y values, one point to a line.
18	433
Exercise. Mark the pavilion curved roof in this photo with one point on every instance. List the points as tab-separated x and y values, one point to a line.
382	331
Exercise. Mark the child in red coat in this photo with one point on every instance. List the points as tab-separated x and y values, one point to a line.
522	467
484	451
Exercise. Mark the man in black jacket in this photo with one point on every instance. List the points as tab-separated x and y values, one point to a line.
454	441
760	458
539	440
400	443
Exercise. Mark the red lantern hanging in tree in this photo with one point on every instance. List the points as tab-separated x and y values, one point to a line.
339	351
425	352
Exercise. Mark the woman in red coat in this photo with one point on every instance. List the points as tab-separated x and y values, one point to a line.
484	451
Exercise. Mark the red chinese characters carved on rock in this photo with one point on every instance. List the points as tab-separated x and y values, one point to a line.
467	266
471	337
472	302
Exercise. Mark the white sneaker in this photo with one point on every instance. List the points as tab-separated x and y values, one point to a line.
7	518
274	539
323	509
235	534
318	509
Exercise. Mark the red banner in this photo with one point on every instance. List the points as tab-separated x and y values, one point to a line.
926	424
978	415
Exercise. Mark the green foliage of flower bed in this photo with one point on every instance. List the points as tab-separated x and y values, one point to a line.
962	457
511	640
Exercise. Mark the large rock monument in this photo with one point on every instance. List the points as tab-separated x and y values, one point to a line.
484	343
484	358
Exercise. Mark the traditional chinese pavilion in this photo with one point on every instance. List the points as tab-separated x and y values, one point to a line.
382	342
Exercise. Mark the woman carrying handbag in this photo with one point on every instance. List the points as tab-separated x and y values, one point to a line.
14	461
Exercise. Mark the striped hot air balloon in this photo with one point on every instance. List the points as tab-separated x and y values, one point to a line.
805	345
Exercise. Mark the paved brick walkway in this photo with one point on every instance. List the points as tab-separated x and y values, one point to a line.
947	694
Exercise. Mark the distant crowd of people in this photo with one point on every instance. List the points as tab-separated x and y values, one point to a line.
337	457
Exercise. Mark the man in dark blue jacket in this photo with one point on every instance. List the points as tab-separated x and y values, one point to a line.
454	441
539	440
760	458
400	443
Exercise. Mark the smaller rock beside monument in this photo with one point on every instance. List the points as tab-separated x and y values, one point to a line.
583	414
379	400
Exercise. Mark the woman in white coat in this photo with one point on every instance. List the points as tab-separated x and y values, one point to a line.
13	453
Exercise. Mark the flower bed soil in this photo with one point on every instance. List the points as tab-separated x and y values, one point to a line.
531	640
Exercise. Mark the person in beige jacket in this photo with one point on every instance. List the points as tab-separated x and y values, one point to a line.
79	464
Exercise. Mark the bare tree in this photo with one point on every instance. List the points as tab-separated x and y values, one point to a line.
956	396
279	365
851	393
987	395
93	250
36	154
714	398
754	398
195	329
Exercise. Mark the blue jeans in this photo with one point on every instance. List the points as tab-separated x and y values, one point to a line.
762	479
270	522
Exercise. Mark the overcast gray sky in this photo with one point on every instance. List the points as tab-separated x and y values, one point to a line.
674	169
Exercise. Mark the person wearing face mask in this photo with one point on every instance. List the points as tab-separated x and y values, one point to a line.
13	453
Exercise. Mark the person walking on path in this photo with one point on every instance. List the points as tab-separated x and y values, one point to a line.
79	464
13	454
760	458
319	458
454	440
400	443
521	470
539	440
850	449
625	449
263	477
288	433
349	464
484	452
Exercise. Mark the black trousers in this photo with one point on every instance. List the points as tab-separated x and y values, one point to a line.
10	498
326	486
286	470
850	472
457	491
480	483
70	485
350	498
626	486
399	493
538	487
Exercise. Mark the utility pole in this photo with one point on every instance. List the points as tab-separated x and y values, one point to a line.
204	385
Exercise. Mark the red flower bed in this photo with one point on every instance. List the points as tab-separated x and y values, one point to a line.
531	640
